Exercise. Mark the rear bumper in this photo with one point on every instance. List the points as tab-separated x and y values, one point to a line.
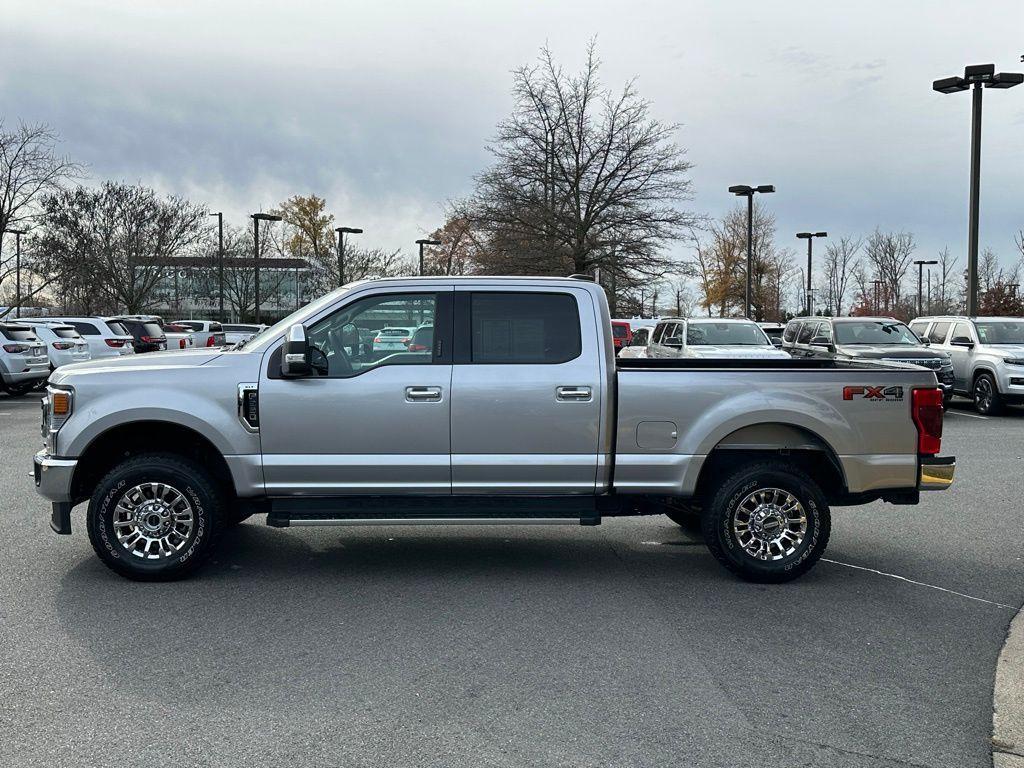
53	478
936	473
33	374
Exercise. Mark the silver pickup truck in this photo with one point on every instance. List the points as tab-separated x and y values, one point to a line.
503	404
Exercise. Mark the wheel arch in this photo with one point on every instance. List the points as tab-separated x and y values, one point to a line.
118	443
765	440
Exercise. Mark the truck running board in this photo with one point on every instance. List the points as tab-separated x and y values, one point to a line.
433	510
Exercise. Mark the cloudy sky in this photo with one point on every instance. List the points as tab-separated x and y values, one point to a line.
384	108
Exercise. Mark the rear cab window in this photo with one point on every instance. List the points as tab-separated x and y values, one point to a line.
524	328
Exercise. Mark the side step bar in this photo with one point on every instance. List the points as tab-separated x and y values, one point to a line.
290	511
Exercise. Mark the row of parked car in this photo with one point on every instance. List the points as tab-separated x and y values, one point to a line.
32	347
981	358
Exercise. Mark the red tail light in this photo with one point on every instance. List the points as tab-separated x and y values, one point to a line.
210	342
377	340
926	409
63	345
417	348
15	348
181	343
115	343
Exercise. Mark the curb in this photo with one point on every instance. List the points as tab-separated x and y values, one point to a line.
1008	700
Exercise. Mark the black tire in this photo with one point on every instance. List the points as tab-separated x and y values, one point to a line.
947	398
202	496
987	400
17	390
726	544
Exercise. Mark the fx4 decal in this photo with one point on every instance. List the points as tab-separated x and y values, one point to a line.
875	394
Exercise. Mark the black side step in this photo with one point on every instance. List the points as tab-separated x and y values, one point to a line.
433	510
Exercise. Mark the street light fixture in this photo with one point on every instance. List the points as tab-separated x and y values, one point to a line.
809	237
342	231
220	262
421	243
976	77
256	219
920	268
17	266
743	190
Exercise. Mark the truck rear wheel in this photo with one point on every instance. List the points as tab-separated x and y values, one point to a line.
768	522
155	517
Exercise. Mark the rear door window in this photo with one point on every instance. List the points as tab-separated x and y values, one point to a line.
524	328
937	334
806	333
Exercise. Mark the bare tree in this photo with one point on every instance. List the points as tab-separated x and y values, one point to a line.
30	167
579	173
114	242
890	254
949	286
838	265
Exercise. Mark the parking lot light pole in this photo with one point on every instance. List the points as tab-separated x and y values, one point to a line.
421	243
342	231
220	263
256	219
743	190
17	267
920	269
976	77
809	237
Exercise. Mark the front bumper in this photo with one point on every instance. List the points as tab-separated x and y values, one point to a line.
53	478
935	473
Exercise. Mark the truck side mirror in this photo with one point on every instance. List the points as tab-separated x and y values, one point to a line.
961	341
823	341
295	353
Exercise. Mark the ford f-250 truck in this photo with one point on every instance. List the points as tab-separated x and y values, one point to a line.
510	408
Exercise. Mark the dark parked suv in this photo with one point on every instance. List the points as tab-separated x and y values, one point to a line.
871	338
147	334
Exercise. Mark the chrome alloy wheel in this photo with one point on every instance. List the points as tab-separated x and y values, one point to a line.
769	524
153	520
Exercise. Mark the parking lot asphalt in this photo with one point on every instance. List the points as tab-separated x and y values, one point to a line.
620	645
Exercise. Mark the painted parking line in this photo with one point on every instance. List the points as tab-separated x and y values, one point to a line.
968	415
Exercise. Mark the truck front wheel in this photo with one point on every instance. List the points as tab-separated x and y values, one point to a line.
768	522
155	517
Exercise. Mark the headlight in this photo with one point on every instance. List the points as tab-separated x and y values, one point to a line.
57	408
1014	361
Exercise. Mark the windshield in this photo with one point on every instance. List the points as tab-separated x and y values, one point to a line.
1001	331
875	332
731	334
264	336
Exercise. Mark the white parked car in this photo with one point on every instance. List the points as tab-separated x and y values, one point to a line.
236	333
23	361
391	339
178	337
712	338
638	346
205	333
64	345
106	338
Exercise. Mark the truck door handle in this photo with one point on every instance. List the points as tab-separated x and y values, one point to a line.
422	394
573	394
